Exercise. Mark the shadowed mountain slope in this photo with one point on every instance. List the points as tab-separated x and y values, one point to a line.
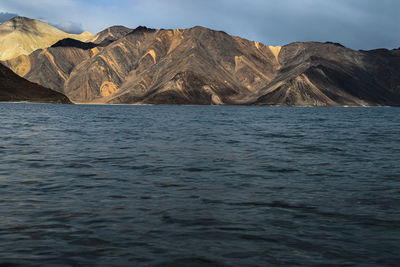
22	36
14	88
202	66
68	42
51	66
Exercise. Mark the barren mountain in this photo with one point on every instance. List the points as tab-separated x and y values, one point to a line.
52	66
110	34
22	36
202	66
152	65
320	74
15	88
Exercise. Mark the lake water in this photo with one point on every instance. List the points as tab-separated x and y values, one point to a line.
199	186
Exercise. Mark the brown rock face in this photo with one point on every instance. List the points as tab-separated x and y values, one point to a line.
50	67
202	66
147	63
111	34
14	88
316	74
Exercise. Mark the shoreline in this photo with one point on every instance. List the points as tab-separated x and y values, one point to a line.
189	105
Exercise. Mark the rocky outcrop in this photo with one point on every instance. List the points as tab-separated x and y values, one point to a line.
14	89
202	66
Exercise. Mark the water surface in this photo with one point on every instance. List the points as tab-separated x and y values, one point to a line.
199	186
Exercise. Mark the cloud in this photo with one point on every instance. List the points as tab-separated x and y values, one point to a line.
4	16
70	27
359	24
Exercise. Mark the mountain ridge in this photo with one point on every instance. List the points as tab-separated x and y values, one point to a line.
30	35
203	66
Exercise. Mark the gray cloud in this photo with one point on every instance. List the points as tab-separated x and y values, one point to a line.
359	24
4	16
70	27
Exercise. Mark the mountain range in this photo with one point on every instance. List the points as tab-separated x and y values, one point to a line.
197	66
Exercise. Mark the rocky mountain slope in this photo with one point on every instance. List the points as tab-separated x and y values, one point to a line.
202	66
14	88
22	36
110	34
326	74
156	66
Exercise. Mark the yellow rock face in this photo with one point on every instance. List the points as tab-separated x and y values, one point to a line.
22	36
153	55
20	65
108	88
275	50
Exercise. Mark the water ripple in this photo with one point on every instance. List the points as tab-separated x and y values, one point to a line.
198	186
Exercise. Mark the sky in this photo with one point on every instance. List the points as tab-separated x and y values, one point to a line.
358	24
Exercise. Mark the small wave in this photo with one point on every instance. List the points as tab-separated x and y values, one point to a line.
193	170
359	219
192	222
90	242
193	262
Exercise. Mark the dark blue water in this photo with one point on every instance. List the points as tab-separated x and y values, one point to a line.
199	186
